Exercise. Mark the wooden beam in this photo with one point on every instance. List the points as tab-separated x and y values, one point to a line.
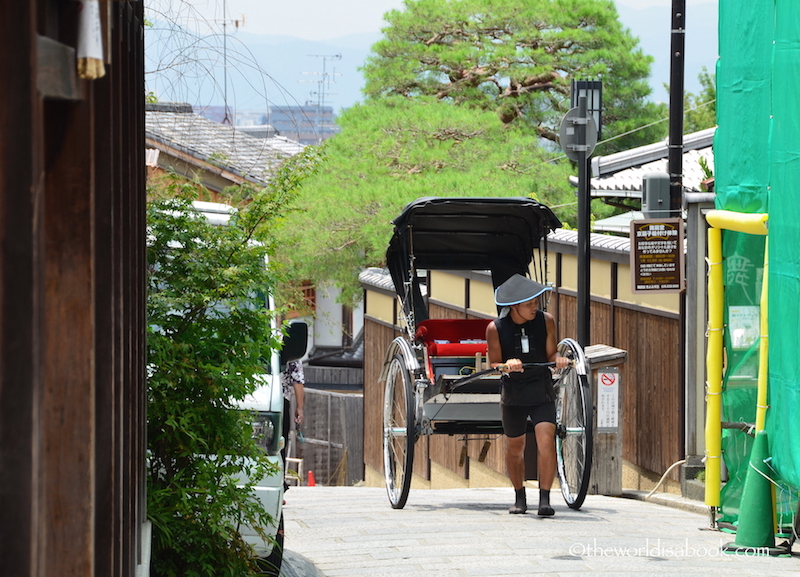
68	398
20	336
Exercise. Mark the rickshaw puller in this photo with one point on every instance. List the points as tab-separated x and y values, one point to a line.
523	333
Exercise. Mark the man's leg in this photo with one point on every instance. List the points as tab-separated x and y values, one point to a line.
546	462
515	463
286	426
515	460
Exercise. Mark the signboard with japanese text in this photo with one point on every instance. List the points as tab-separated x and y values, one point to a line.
608	400
657	255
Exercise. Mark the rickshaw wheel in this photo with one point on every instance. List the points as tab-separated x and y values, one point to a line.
573	425
398	432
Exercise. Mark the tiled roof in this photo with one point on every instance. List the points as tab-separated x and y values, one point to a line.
376	278
620	174
610	244
379	278
352	356
249	157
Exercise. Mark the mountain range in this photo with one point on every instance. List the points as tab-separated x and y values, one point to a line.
298	71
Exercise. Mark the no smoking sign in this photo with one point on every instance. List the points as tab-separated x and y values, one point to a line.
608	399
608	379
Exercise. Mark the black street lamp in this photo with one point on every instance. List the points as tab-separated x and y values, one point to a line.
593	91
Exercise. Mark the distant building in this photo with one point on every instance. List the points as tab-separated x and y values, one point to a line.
217	113
307	124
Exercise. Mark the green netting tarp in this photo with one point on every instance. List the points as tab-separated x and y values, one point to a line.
743	274
757	164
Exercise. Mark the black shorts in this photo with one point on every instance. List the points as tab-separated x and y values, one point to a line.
515	419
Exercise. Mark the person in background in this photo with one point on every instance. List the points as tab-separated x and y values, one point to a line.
293	382
524	333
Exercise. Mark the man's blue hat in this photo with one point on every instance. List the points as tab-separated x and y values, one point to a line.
518	289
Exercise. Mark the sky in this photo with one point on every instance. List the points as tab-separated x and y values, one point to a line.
325	19
280	49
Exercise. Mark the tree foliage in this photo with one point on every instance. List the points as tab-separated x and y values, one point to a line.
465	98
516	58
393	151
701	109
207	343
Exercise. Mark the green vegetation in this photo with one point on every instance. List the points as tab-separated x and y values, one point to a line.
393	151
207	342
516	58
701	109
465	98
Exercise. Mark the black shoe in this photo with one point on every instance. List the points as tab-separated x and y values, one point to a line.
545	510
520	503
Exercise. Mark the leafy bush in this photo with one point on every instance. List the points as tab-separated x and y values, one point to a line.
207	343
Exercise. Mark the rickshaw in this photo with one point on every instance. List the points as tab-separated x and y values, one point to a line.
436	375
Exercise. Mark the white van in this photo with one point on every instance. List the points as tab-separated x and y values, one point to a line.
266	404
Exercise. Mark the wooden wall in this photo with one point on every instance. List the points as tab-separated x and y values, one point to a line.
652	411
377	337
72	295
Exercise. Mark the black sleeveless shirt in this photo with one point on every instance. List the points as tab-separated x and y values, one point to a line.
534	385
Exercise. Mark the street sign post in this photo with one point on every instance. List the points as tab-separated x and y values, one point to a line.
574	141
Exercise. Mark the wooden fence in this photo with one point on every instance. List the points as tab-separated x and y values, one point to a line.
652	410
331	443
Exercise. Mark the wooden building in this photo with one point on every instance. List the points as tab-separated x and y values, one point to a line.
72	293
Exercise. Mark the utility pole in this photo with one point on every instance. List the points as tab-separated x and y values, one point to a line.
323	85
676	84
226	119
578	135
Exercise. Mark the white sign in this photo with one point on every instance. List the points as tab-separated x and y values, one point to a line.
607	399
744	326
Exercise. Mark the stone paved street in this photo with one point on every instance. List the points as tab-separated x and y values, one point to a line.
353	531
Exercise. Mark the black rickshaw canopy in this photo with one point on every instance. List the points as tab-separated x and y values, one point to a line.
441	233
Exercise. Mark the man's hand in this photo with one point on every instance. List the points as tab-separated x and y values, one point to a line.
514	366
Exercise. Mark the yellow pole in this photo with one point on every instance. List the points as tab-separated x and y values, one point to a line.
763	366
763	348
750	223
713	432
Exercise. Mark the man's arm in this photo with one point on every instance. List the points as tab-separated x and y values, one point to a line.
495	351
551	345
299	397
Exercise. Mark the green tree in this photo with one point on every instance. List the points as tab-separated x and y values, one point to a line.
701	109
517	57
393	151
207	341
465	98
